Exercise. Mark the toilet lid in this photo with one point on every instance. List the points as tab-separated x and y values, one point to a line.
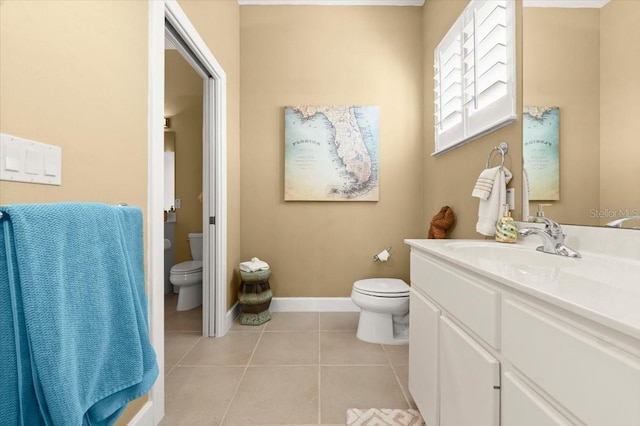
389	287
187	267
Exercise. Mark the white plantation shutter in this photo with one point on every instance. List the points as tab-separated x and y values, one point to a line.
474	69
448	101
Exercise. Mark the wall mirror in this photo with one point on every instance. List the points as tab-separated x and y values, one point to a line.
585	61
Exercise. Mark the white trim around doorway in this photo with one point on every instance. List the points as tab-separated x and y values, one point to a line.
214	188
214	168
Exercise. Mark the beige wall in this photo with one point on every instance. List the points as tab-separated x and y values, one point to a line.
183	104
561	67
218	24
74	74
314	55
449	178
620	109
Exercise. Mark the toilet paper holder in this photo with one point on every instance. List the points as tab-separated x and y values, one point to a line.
383	256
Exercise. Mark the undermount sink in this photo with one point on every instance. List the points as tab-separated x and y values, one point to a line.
515	254
525	264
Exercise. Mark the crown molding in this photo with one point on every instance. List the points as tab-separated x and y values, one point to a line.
332	2
526	3
594	4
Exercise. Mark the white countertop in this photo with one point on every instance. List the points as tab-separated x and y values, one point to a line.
601	288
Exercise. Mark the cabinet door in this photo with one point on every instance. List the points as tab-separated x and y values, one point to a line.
469	380
423	356
592	379
521	406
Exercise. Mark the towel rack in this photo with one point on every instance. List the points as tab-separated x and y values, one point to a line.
120	204
502	148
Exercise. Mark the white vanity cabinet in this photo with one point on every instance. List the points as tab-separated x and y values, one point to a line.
469	380
522	406
453	380
592	378
483	352
423	356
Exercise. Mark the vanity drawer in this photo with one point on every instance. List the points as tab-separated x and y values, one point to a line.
597	382
476	306
522	406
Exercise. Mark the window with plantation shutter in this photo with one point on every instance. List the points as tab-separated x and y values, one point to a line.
474	74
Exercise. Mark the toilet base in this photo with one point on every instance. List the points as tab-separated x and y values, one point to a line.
189	297
375	327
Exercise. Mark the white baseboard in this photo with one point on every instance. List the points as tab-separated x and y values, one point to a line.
298	304
313	304
144	417
232	314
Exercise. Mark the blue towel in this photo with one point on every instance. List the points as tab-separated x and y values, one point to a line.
76	320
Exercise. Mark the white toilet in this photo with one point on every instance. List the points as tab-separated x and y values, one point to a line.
384	315
187	276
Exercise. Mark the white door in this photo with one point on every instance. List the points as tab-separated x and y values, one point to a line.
469	380
423	356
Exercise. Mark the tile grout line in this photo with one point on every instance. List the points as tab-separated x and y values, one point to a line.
395	375
246	367
405	394
351	361
183	356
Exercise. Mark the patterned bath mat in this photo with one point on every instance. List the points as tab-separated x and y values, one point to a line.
383	417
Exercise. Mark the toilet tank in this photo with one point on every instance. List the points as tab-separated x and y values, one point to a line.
195	244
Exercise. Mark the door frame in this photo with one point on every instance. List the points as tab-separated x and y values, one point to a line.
214	184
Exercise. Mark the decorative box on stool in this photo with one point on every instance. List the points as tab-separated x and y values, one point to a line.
254	297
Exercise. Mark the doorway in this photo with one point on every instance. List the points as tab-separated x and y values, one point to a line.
183	148
183	35
167	16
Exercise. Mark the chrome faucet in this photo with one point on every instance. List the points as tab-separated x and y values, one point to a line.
552	238
618	222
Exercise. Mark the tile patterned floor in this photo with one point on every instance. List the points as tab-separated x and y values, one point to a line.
300	368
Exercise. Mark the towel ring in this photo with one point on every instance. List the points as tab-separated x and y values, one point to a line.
502	148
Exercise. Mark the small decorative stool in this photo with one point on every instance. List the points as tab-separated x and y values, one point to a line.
254	297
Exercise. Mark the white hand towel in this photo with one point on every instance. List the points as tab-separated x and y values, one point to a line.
254	265
489	210
484	184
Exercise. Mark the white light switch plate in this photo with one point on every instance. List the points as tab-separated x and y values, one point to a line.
23	160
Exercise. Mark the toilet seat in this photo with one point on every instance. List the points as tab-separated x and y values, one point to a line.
186	274
188	267
382	287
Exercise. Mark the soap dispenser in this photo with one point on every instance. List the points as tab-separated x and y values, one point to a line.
506	229
540	213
